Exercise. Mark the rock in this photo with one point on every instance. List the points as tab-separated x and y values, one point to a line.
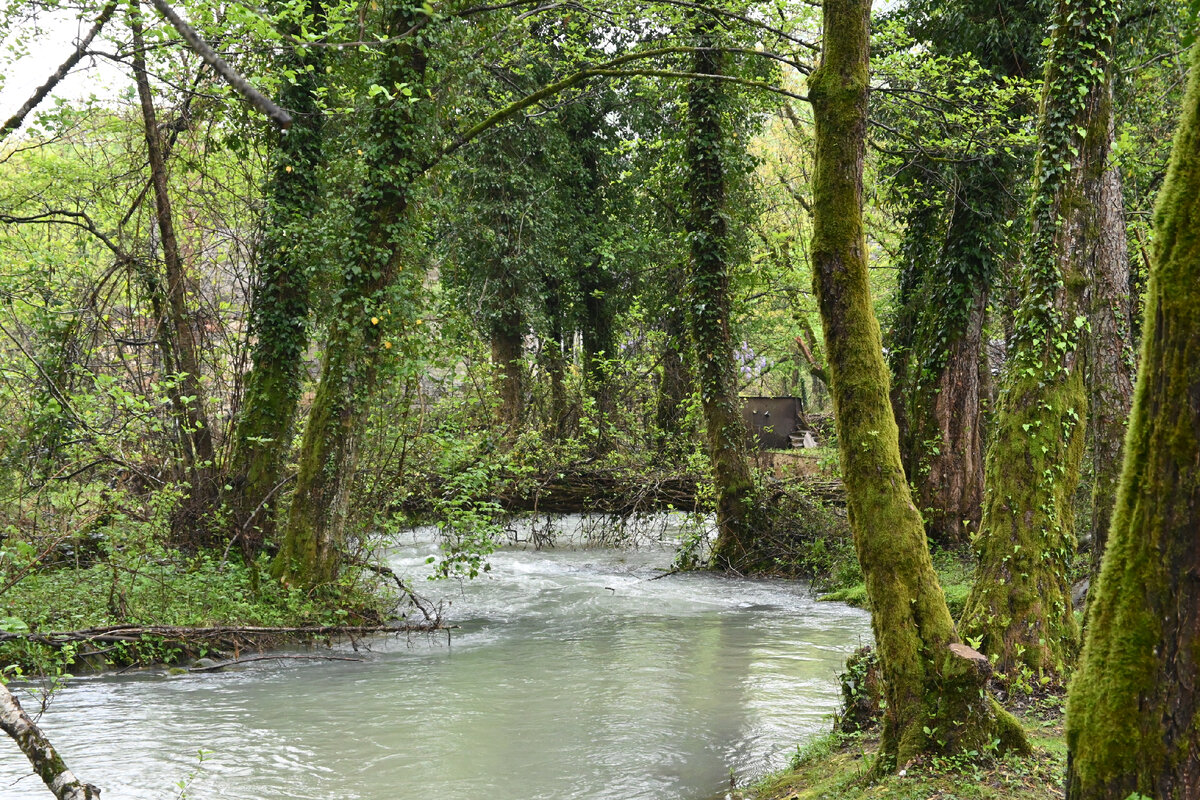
1079	593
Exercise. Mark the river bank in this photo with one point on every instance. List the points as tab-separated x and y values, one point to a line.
834	767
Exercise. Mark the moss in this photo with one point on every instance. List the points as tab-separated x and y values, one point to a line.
838	768
1132	705
935	701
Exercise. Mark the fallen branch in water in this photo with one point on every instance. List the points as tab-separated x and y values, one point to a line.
230	636
269	657
41	754
432	616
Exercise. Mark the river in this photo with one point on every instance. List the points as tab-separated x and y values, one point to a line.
573	675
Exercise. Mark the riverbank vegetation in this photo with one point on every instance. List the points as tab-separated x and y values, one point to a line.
850	286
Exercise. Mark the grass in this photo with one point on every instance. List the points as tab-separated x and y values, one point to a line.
835	767
955	570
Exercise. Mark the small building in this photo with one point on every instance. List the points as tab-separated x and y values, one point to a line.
776	423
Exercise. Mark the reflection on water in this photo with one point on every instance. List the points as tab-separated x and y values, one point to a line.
573	675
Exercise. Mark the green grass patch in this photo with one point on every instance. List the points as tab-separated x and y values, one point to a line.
837	768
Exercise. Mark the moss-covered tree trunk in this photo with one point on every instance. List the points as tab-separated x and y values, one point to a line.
279	306
1133	705
1020	605
360	332
180	346
708	295
1110	362
935	686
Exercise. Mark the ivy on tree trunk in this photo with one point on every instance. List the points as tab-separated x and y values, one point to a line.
1020	607
279	306
361	332
708	232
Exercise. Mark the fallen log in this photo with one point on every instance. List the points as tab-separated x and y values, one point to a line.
233	637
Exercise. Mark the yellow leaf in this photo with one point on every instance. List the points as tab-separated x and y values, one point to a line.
374	320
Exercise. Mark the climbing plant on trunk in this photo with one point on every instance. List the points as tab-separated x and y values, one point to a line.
1019	608
1133	705
709	301
360	332
935	687
279	306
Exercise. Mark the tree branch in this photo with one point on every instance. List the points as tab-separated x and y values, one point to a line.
39	95
41	754
231	76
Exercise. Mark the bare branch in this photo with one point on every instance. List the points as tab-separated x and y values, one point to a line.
231	76
39	95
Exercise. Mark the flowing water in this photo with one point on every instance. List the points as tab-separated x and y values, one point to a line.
573	674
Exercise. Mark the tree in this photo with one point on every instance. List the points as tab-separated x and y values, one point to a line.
177	330
46	761
935	687
710	310
360	333
280	303
1132	705
955	190
1020	607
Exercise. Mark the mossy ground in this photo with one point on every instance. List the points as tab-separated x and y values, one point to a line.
836	767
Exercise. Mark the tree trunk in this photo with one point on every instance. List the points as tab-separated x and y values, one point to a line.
710	308
279	306
944	434
1020	605
189	399
673	385
41	754
1110	362
1133	705
935	687
361	333
552	356
507	357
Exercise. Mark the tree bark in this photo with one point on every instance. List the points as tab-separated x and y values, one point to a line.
935	687
1110	363
41	754
1020	605
280	303
507	355
1133	705
189	399
673	385
315	535
707	227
